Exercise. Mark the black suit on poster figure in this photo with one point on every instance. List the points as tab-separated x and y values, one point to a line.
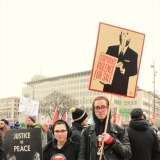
126	65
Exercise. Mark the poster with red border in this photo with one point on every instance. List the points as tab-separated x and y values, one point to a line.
116	61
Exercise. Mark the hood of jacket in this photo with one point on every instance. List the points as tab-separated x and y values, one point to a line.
77	126
139	124
67	127
37	125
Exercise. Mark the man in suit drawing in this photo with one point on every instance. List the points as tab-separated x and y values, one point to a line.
126	65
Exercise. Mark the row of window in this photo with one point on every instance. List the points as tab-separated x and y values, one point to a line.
58	84
130	102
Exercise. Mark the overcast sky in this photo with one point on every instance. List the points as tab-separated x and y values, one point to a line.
59	37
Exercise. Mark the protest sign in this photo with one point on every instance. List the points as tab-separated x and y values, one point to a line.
28	106
117	60
23	144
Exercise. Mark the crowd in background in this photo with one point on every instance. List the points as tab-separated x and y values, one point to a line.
80	140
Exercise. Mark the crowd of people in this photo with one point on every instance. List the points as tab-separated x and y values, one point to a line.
102	139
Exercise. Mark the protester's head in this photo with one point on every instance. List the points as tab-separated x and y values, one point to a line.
79	116
23	125
17	124
61	131
124	39
3	123
31	120
136	113
45	127
100	107
144	116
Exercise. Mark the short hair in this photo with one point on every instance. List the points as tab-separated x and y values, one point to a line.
136	113
144	116
100	98
5	121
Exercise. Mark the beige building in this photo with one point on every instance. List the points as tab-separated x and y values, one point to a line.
76	85
9	108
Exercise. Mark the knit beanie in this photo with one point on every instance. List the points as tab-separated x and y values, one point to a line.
33	118
23	124
78	115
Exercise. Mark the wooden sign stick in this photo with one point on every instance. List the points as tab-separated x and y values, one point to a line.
105	129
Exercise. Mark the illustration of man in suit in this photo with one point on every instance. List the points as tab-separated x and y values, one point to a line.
126	65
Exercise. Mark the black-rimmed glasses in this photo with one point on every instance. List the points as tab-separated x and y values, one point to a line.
60	131
97	108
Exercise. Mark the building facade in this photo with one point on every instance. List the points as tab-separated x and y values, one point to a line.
76	85
9	108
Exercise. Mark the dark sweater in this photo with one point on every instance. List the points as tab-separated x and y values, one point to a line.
68	151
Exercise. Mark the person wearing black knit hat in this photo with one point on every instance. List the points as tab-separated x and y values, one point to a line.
80	119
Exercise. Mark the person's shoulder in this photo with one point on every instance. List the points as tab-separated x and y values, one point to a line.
114	46
132	51
120	129
48	145
37	125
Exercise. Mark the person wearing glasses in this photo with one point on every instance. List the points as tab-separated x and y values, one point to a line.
116	141
61	147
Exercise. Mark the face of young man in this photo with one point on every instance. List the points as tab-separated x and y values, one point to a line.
85	122
101	109
29	122
60	132
2	125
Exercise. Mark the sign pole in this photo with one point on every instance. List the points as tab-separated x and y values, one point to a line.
106	126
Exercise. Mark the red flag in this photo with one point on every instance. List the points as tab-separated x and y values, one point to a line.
55	116
26	118
114	116
153	118
64	117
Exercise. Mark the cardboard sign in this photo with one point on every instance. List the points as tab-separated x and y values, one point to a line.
105	68
23	144
28	106
116	61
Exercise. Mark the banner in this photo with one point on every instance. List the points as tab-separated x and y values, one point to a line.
28	106
64	117
116	60
23	144
55	116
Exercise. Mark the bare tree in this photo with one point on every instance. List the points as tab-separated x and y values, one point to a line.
57	99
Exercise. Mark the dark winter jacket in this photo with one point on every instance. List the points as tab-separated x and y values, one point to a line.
121	149
68	151
76	132
144	141
1	147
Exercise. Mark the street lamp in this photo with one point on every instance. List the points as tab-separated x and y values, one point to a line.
154	74
33	91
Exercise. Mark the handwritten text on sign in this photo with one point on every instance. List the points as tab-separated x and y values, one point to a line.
105	68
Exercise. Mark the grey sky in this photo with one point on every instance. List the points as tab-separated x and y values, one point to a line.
59	37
